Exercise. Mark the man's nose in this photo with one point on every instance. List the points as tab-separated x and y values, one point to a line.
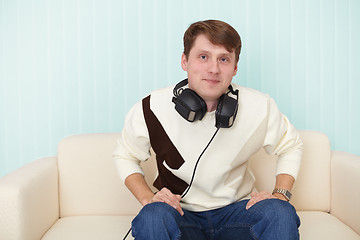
214	66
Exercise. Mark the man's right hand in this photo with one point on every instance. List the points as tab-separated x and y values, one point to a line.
166	196
138	186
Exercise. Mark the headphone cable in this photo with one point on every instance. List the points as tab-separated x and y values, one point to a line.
197	163
127	233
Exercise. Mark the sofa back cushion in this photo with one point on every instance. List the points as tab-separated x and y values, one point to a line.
312	187
89	184
88	181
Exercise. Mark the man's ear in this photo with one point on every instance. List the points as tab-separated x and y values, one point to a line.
184	62
235	69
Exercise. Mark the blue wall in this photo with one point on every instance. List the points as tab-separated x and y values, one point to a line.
70	67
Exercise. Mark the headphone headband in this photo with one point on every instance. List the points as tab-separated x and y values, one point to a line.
178	87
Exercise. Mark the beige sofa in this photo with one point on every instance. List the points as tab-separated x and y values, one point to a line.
77	195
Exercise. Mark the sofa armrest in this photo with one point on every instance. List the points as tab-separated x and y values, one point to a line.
345	194
29	200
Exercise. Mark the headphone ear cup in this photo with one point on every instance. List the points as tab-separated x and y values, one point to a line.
226	111
190	105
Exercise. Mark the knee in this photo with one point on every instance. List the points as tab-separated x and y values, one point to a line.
155	213
154	220
275	214
282	210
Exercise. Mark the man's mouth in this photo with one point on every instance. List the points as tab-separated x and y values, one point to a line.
212	81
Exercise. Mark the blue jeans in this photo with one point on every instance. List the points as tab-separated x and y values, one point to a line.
268	219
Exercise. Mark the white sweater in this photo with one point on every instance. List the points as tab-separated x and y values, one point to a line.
222	176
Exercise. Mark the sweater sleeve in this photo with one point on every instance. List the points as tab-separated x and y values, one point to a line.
282	139
133	146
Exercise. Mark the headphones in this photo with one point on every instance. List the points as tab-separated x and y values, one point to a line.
192	107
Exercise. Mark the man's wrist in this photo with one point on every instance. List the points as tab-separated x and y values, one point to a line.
284	192
279	196
147	199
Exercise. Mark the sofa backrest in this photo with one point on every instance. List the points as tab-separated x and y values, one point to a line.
89	184
311	190
88	181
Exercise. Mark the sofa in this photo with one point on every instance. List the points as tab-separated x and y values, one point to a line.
77	195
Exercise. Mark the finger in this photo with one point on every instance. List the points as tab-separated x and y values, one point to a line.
257	197
178	197
262	196
174	199
250	204
166	196
180	208
252	200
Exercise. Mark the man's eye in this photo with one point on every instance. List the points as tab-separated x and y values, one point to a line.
223	59
203	57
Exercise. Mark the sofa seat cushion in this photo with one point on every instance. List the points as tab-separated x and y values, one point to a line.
90	228
321	225
314	225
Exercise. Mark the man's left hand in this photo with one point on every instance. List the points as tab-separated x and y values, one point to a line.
257	197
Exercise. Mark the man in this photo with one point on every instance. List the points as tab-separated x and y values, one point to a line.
203	132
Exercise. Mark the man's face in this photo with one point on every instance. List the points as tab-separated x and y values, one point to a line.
210	68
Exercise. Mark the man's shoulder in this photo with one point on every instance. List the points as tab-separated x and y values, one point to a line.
157	95
161	95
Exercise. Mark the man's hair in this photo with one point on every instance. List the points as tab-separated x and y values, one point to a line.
218	33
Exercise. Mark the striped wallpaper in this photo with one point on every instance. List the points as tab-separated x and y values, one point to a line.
77	66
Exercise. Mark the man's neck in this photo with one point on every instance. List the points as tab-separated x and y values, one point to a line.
211	105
